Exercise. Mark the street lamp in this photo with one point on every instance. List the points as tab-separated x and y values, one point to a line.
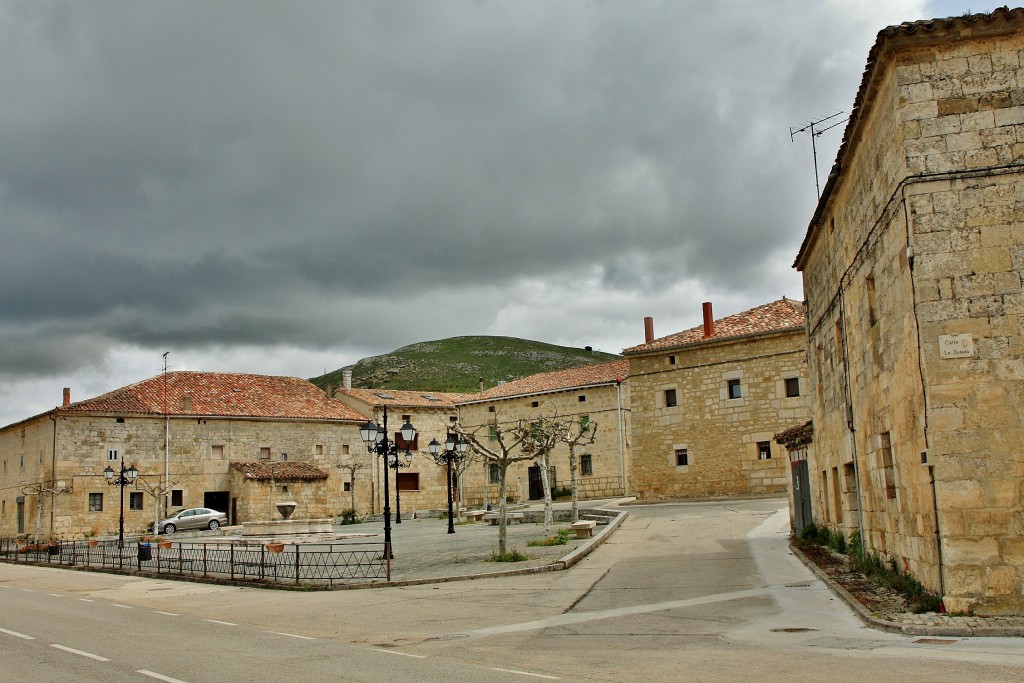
455	449
375	438
126	477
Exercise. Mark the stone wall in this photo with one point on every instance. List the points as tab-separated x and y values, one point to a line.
913	285
719	435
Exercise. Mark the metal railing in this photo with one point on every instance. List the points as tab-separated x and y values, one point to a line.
313	564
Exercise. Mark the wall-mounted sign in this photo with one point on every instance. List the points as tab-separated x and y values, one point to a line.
956	346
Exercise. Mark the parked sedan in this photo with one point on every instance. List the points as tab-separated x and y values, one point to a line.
192	518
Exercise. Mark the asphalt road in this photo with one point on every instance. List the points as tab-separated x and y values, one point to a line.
701	592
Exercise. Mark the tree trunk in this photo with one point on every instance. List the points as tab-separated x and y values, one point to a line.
502	519
545	482
574	482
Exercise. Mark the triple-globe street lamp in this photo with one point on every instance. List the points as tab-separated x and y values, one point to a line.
455	449
376	440
126	477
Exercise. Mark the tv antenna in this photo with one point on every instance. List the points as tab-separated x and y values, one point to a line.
814	133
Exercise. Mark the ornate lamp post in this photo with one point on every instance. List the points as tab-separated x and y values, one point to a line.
126	477
375	438
454	451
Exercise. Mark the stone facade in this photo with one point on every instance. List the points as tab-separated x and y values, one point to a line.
706	406
912	274
598	394
68	448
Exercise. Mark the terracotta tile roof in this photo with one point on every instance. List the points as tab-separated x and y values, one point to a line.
281	471
218	394
778	316
796	436
559	380
930	30
405	398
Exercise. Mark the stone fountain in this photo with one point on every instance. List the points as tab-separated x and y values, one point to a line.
287	526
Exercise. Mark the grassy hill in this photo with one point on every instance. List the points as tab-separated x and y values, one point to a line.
458	363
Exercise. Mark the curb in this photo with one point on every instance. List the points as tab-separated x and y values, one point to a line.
872	621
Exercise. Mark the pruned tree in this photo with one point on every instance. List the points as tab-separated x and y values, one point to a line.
502	446
39	489
575	433
157	491
540	436
352	466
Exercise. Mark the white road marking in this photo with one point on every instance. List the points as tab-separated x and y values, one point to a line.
170	614
291	635
583	617
56	595
222	623
85	600
28	590
526	673
16	634
396	652
122	606
79	652
159	677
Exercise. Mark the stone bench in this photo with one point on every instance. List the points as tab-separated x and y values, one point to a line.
493	517
475	515
584	528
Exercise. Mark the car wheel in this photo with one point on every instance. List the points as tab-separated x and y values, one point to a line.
214	525
169	529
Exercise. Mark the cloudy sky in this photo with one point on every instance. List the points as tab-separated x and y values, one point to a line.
286	187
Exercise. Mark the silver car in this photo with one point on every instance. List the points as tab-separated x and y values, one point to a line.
193	518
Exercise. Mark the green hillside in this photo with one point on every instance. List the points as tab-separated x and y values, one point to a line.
458	363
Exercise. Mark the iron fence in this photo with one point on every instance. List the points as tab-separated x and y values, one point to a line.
313	564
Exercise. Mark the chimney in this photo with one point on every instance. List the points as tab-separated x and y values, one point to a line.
648	330
67	396
346	379
709	320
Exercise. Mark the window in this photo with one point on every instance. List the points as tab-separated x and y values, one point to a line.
216	452
872	306
112	454
734	388
535	404
453	419
135	500
318	450
490	409
493	474
282	457
792	387
764	450
265	453
586	465
582	398
345	450
177	496
888	470
671	360
408	481
492	432
119	420
22	462
95	502
682	457
406	418
348	486
670	398
585	423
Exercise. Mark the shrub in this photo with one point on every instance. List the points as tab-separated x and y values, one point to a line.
349	516
511	556
560	538
837	542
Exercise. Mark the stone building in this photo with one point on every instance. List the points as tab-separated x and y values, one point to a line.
912	275
53	463
707	402
421	485
592	394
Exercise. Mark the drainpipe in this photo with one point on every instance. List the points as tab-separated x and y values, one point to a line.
622	436
53	472
848	395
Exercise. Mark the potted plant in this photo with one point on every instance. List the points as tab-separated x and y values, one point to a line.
275	547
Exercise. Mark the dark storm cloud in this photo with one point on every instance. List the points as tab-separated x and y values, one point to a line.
207	174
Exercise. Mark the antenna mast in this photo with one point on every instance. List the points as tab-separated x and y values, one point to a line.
814	133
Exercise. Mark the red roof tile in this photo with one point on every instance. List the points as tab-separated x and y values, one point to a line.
405	398
279	471
559	380
778	316
218	394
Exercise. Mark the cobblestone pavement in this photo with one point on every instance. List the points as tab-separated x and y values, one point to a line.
884	608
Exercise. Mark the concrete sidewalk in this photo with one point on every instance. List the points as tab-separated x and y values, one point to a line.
425	552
